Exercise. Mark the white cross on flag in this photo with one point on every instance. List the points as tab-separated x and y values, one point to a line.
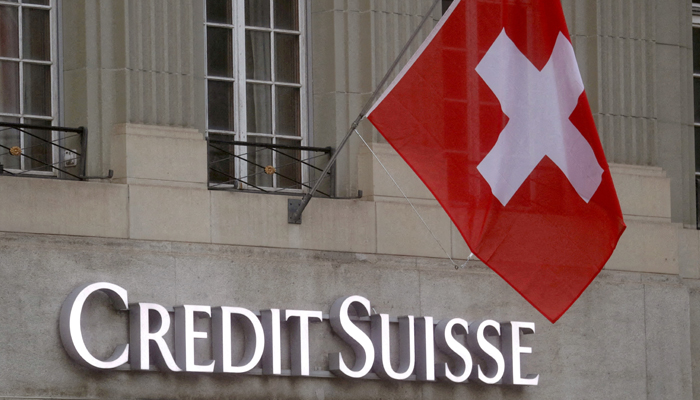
492	115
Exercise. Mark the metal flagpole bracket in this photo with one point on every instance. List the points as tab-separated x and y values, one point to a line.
292	216
295	207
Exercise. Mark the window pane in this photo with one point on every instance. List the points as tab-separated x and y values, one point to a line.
219	11
697	201
257	13
38	147
697	149
221	160
9	32
696	50
9	87
42	2
36	36
8	139
288	111
446	5
288	168
37	89
286	58
219	52
220	105
286	14
259	158
257	55
696	86
259	108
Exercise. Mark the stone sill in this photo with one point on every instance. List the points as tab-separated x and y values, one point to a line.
197	215
159	192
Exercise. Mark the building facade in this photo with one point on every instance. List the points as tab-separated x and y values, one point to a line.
201	119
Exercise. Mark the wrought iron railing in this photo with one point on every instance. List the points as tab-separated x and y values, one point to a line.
267	167
42	150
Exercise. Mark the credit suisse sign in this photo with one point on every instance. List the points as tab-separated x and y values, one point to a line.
419	338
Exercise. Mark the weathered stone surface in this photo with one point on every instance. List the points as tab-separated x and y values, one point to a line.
628	335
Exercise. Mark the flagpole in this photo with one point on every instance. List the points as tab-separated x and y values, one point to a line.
296	207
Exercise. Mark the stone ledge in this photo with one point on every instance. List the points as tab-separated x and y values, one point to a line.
149	154
167	132
647	247
642	191
182	211
51	206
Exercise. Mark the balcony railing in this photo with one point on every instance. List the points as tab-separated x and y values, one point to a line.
267	167
42	151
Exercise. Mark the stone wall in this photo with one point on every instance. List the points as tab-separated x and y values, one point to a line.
636	60
133	74
627	337
142	62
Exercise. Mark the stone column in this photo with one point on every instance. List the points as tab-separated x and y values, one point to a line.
130	61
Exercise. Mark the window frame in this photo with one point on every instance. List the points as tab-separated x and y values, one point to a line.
696	123
55	77
239	80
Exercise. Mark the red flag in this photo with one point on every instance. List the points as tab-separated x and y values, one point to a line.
491	114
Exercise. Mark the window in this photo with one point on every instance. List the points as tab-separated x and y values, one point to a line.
696	96
445	5
256	92
28	82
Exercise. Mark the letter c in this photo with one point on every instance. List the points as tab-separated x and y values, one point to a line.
71	334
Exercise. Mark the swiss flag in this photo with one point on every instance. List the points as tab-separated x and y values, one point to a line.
492	116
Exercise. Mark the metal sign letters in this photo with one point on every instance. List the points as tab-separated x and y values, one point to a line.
418	338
